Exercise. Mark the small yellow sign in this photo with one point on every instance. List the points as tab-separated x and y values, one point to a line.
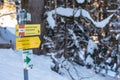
28	29
27	43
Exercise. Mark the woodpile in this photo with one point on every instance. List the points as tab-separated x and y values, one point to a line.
3	45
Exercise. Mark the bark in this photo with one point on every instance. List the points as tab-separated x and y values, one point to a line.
36	9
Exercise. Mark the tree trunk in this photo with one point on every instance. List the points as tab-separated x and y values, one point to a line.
36	9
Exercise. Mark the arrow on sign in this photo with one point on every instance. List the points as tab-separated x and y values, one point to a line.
27	43
27	60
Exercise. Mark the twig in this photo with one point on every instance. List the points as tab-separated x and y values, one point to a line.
7	14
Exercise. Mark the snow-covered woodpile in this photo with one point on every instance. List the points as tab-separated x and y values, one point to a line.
83	34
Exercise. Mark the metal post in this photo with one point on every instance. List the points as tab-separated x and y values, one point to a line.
21	13
25	74
22	21
25	70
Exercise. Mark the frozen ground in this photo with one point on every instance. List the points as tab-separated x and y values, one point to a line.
11	68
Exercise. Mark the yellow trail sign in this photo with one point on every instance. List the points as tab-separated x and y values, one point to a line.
27	43
28	29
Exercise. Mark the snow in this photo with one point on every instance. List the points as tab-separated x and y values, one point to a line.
109	60
100	24
6	21
111	73
8	34
116	31
91	47
2	41
81	54
74	37
7	27
89	60
68	12
64	12
81	73
51	20
12	67
118	37
107	38
80	27
80	1
103	23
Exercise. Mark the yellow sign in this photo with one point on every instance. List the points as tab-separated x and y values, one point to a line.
27	43
28	29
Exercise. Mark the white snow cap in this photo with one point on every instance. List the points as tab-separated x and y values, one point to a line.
91	46
81	54
68	12
80	1
89	60
100	24
103	23
64	11
50	20
118	37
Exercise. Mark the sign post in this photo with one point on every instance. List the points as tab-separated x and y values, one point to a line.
24	43
25	74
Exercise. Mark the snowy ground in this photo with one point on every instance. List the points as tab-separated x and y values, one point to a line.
8	33
11	68
3	41
7	28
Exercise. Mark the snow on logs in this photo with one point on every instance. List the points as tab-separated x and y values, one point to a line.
69	12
